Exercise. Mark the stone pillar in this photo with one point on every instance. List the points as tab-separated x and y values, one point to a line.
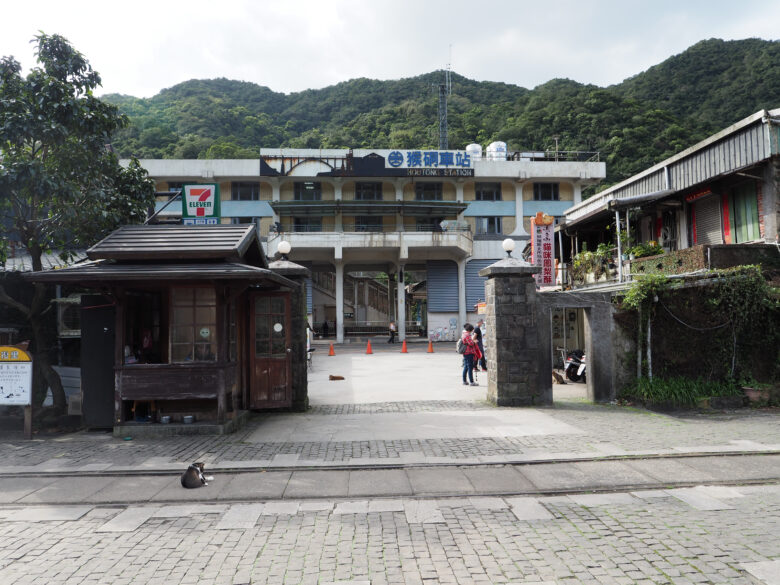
512	333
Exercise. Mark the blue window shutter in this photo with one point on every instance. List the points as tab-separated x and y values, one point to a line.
475	284
442	286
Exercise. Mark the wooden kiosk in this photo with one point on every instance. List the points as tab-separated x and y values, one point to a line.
188	324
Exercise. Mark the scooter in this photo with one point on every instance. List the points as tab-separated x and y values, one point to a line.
575	366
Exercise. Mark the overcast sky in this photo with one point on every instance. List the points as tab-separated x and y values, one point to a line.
141	47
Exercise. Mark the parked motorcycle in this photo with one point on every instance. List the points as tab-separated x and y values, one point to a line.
575	366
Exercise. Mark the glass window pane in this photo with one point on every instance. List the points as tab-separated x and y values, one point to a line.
205	352
277	305
205	315
180	352
205	296
182	316
278	337
183	296
205	333
261	305
182	334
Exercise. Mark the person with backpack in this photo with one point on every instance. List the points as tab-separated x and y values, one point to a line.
467	346
481	363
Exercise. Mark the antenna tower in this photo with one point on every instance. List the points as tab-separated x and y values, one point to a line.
445	89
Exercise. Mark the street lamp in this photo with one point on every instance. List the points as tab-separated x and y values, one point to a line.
508	245
284	248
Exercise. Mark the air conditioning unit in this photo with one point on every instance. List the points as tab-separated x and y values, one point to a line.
69	316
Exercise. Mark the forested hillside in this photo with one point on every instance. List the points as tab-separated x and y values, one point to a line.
634	124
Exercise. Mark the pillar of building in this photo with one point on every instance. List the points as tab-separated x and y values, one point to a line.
390	299
339	301
355	302
275	195
577	192
519	227
512	334
399	196
401	288
337	196
462	309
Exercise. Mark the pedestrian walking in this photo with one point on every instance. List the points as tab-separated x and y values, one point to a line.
392	332
478	330
325	328
470	355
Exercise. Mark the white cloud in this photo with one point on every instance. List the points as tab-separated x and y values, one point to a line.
146	46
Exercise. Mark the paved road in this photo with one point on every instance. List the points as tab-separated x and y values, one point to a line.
399	476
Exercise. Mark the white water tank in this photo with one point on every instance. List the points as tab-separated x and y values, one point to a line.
474	151
496	151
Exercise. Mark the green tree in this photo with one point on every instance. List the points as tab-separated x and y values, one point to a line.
61	186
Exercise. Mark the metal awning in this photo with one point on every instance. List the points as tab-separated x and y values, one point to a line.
637	200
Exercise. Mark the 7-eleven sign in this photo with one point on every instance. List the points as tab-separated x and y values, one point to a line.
200	201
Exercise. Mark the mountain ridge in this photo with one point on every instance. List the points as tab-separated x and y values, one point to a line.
642	120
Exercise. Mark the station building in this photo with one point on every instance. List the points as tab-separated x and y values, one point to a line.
365	220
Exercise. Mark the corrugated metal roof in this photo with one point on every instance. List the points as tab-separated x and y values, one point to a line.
180	242
106	271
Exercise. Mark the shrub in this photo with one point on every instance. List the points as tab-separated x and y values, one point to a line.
676	392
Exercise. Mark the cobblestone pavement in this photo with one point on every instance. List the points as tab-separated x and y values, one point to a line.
675	537
602	428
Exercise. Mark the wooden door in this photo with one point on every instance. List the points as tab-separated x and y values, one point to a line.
270	350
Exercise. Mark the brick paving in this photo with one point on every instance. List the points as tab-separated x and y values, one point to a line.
601	426
647	538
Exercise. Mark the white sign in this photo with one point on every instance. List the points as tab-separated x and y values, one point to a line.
542	246
15	377
200	201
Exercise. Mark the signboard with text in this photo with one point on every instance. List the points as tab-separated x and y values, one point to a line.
543	249
431	163
200	202
15	376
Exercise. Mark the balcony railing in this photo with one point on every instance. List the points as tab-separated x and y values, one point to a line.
556	156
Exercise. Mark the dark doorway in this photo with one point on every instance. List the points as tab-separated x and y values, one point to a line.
97	361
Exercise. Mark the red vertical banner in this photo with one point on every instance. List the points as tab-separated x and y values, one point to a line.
542	248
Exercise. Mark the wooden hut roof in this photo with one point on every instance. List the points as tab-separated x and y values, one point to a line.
104	271
180	242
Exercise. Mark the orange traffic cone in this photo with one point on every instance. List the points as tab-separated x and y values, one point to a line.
403	347
430	346
331	352
368	348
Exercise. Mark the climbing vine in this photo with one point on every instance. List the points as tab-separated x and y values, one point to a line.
722	325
